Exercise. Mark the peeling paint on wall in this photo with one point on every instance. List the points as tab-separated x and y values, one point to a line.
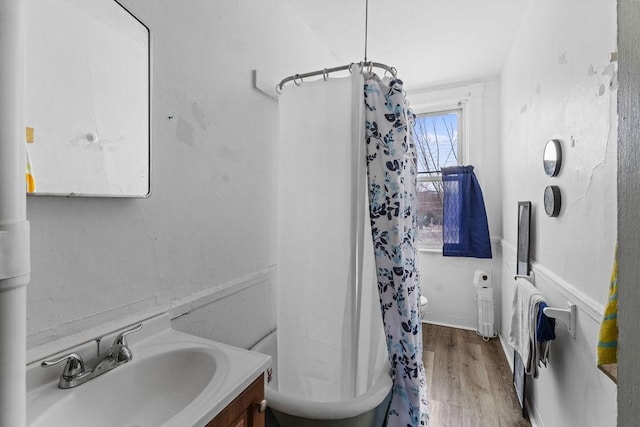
611	71
601	90
198	116
184	132
562	59
230	154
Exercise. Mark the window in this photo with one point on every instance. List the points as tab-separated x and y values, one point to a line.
438	135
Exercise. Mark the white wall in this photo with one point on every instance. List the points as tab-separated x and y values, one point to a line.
559	82
209	227
447	281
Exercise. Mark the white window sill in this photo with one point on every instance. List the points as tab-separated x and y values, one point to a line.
434	250
438	249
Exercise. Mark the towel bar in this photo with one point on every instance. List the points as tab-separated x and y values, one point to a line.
530	277
567	316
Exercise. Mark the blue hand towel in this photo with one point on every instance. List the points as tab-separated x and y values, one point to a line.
545	327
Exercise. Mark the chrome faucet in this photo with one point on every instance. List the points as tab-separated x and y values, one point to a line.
77	372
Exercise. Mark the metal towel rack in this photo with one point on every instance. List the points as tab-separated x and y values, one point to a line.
565	315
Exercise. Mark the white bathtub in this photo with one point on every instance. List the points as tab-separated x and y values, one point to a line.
366	410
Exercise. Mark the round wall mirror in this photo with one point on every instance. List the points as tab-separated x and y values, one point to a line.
552	200
552	157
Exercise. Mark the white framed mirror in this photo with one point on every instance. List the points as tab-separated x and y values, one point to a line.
87	99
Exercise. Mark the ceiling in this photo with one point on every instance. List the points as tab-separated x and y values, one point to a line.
429	42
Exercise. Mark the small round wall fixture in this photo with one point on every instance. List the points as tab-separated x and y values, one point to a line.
552	157
552	200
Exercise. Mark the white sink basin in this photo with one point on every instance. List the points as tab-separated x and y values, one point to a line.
174	379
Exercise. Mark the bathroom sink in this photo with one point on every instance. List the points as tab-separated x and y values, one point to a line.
174	379
146	391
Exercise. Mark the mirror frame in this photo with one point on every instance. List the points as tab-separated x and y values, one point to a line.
144	192
552	167
523	261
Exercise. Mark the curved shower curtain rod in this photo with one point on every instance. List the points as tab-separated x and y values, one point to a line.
325	72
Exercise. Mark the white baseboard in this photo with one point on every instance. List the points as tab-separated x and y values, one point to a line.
508	351
448	325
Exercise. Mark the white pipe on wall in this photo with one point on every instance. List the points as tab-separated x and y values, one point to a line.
14	229
13	331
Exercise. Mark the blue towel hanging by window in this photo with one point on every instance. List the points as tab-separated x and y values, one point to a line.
465	230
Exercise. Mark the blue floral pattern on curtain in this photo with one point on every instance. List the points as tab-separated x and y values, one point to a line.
392	171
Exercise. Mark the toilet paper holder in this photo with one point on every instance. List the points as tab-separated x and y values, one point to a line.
482	278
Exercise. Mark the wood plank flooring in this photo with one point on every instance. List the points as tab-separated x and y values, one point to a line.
468	379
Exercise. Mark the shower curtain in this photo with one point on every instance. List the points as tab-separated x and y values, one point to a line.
346	252
330	335
391	170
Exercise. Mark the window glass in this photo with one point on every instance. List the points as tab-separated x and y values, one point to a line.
437	136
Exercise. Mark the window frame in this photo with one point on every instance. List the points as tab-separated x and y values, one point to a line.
462	146
461	135
469	97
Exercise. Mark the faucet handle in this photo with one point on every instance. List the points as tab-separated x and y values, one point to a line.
121	338
74	366
122	352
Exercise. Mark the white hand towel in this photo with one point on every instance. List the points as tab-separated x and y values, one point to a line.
520	333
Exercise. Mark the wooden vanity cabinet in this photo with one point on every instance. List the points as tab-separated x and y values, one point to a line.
244	410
